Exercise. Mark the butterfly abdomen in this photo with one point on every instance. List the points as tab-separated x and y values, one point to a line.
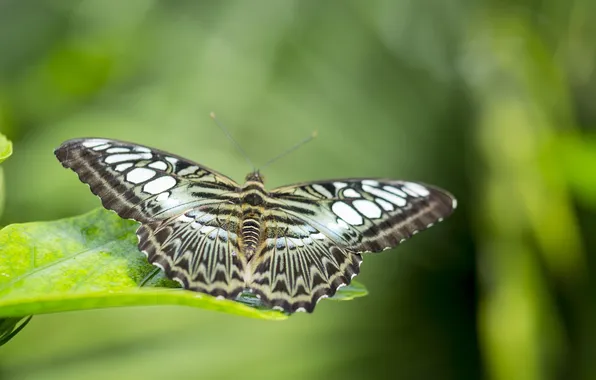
253	197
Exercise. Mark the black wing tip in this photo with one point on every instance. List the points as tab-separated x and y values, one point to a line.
77	141
62	151
61	154
446	199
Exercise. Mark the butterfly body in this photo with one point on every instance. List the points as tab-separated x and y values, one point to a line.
253	197
290	246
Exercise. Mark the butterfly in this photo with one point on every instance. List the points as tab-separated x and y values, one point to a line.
290	247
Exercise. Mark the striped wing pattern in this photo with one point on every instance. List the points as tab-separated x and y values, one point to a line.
188	213
316	232
367	215
199	249
298	265
142	183
290	247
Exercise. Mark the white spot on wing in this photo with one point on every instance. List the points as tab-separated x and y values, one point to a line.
158	165
320	189
385	195
188	170
351	193
339	185
280	243
297	242
370	182
172	160
386	205
126	157
118	150
163	197
102	147
158	265
368	208
395	191
123	167
347	213
142	149
159	185
343	224
318	236
185	219
223	234
140	175
93	143
418	189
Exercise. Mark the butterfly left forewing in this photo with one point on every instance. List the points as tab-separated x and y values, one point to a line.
143	183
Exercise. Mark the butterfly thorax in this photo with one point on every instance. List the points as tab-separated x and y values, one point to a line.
253	197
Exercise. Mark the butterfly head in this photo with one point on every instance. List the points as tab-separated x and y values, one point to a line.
255	176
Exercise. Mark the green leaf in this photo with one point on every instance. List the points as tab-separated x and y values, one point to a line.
5	152
5	148
9	327
91	261
2	200
348	293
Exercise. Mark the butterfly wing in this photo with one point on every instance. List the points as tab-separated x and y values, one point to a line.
143	183
199	249
188	213
316	232
298	265
366	215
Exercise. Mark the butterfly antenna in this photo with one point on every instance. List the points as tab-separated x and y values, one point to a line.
288	151
238	146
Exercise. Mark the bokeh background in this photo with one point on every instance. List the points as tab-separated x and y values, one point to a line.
492	100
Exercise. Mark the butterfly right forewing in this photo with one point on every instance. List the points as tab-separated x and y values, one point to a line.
366	215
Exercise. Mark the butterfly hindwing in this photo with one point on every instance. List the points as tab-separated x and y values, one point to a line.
199	249
298	265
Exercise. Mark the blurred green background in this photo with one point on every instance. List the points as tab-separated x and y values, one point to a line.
492	100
